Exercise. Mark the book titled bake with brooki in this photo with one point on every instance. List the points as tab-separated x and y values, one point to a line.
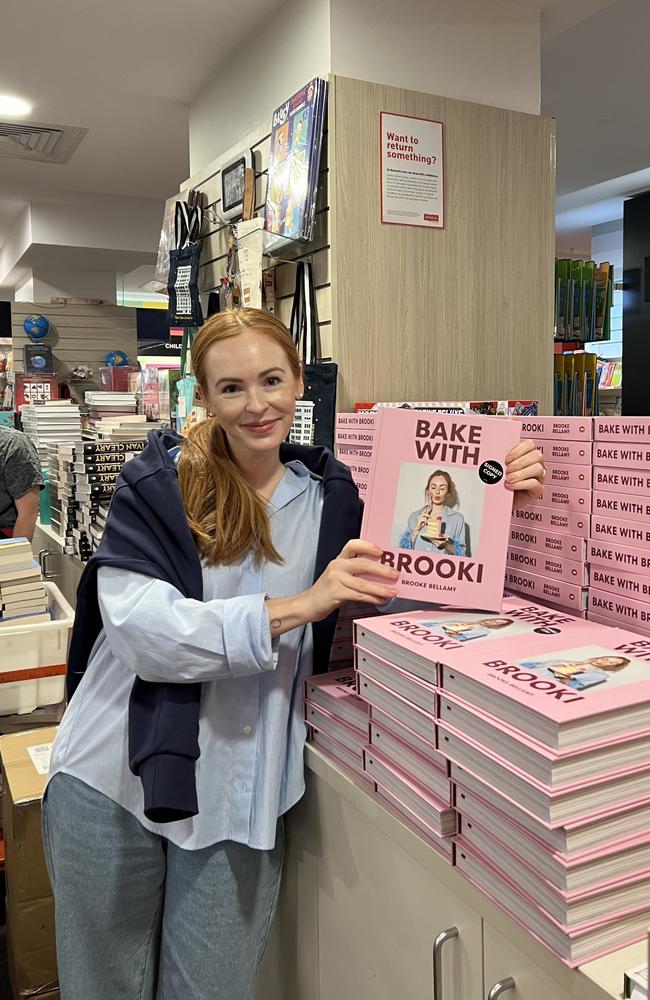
438	506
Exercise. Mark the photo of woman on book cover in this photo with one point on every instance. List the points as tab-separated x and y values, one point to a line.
464	631
580	674
438	525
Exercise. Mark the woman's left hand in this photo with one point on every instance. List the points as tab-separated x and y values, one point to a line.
525	472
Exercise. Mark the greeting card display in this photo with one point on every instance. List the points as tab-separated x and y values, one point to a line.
438	506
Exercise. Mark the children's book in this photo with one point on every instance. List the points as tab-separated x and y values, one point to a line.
296	140
438	506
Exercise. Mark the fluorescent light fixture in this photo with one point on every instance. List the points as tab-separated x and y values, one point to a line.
14	107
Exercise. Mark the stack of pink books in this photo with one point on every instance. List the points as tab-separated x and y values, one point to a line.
544	720
342	653
338	720
619	544
547	554
355	433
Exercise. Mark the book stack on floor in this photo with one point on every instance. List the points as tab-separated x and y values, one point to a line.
354	443
546	734
547	554
410	775
337	720
87	474
49	423
619	545
22	595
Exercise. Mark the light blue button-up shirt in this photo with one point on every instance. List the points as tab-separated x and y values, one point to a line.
251	729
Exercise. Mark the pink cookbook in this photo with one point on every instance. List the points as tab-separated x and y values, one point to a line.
555	543
543	564
623	609
438	507
628	508
547	588
621	583
565	428
577	477
602	553
553	519
621	456
610	529
624	481
635	429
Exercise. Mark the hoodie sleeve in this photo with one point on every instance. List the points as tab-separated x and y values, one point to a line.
164	637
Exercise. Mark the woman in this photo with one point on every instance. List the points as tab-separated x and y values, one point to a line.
579	674
437	525
212	596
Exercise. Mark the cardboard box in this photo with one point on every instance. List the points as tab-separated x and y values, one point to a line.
30	906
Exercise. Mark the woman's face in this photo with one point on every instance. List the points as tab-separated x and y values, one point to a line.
438	491
252	392
607	662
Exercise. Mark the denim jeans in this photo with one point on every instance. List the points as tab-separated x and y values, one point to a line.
137	918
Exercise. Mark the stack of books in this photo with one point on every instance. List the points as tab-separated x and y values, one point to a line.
355	433
619	545
337	720
547	554
112	416
342	653
401	757
51	422
22	594
547	738
87	472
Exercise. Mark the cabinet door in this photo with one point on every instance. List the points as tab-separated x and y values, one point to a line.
289	968
555	982
379	912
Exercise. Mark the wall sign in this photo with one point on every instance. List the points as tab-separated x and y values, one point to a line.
411	153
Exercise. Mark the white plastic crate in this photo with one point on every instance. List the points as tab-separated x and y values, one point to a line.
35	648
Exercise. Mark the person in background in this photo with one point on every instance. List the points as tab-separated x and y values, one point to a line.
21	482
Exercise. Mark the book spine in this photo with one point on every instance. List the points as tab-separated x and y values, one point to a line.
553	543
621	456
552	519
625	532
620	608
634	508
566	452
566	595
616	481
564	498
565	428
621	430
621	583
541	564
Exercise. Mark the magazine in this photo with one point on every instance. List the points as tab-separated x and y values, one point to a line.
438	506
296	140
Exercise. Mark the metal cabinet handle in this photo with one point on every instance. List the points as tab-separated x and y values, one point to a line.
446	935
501	987
42	559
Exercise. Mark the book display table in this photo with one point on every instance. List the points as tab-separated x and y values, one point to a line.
364	899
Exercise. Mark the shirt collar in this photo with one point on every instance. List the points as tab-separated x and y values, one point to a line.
292	485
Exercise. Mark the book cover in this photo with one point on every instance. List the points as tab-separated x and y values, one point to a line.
626	481
621	456
555	543
296	138
553	519
438	506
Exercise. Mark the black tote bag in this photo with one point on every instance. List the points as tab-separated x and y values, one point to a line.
319	376
183	282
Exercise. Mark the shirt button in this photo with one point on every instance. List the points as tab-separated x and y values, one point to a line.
247	730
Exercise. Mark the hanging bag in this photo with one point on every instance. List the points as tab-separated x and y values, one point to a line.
319	376
186	385
183	281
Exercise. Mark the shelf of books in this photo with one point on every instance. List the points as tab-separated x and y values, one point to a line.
522	731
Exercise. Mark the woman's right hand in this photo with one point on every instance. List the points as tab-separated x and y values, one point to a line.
344	580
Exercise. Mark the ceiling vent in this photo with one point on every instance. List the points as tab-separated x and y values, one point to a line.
40	143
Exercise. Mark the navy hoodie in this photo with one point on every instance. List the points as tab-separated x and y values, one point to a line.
147	532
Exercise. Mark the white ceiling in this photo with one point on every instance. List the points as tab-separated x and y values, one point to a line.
126	71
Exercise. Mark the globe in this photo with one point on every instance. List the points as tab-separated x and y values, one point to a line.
36	327
116	358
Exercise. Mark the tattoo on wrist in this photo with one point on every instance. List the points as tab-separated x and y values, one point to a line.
276	622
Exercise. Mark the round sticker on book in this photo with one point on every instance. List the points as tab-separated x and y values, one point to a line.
547	630
490	473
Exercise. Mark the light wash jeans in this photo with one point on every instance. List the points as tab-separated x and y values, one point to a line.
137	918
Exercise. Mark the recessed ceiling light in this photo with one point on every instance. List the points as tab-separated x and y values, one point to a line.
14	107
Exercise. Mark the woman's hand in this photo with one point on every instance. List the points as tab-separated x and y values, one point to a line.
525	472
344	580
422	521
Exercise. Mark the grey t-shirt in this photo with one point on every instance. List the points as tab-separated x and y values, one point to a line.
20	471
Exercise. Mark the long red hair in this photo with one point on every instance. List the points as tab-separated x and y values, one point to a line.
227	517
